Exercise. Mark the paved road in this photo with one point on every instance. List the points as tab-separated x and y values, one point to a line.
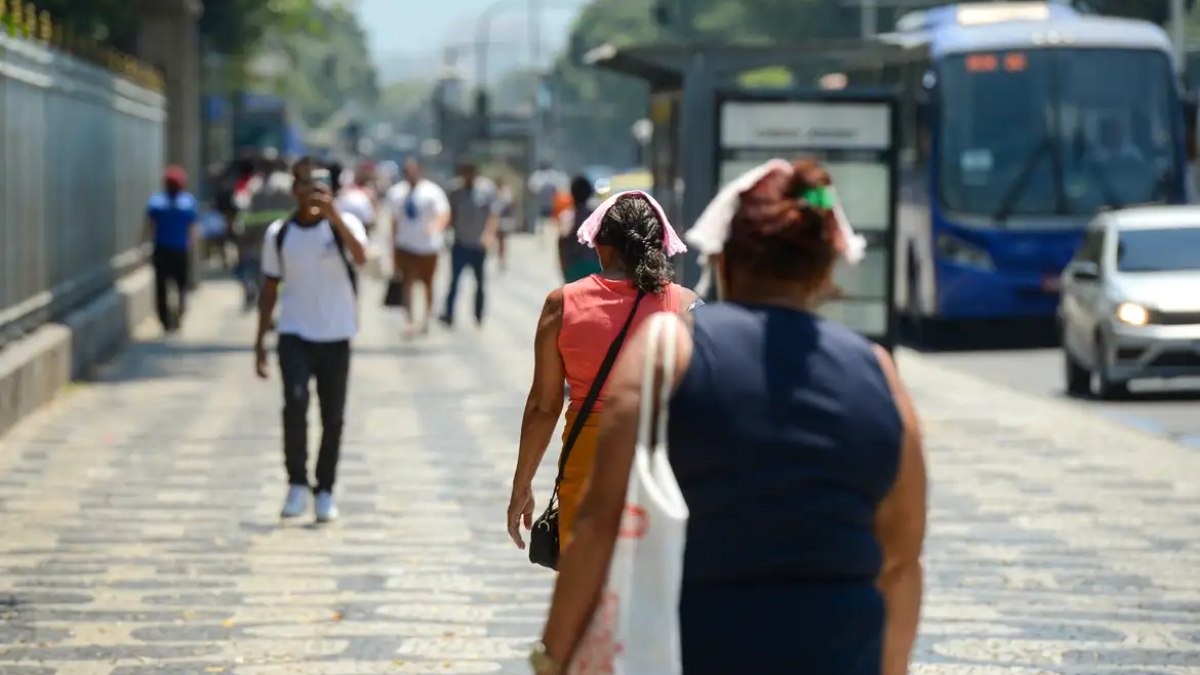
138	529
1170	409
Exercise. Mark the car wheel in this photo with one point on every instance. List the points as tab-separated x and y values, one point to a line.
1077	376
1101	383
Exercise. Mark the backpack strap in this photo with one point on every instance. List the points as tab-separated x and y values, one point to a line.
341	247
283	230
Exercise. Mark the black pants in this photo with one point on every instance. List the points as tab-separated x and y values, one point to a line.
170	267
299	362
462	257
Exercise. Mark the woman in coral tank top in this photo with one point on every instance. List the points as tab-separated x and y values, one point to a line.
578	325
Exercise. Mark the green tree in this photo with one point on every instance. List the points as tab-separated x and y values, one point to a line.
330	69
231	27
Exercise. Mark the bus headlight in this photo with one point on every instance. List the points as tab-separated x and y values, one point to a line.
956	250
1133	314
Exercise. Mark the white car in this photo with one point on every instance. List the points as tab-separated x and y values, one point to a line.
1130	304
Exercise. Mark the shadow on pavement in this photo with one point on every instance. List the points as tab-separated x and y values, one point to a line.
172	357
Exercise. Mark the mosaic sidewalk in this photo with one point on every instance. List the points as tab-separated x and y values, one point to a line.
139	530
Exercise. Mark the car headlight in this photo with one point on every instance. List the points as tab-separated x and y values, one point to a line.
956	250
1133	314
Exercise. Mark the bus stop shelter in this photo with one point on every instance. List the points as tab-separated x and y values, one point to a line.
684	83
708	128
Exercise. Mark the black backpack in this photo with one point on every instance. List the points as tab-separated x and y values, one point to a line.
287	224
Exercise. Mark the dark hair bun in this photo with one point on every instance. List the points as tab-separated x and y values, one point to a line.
779	233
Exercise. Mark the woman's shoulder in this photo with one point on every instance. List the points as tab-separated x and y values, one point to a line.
681	298
588	283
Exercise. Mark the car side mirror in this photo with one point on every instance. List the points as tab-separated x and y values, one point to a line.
1085	271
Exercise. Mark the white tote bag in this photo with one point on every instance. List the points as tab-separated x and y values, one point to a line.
635	630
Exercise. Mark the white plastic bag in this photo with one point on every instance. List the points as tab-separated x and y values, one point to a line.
635	630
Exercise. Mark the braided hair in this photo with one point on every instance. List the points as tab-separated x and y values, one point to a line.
633	229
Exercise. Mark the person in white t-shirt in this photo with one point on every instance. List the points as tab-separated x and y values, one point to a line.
316	250
358	198
421	214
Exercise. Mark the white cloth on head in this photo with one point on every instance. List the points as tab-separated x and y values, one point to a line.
672	244
711	230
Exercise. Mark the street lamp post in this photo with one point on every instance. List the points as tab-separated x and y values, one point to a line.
483	28
1179	32
643	132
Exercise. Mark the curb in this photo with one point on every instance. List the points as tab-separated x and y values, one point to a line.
35	368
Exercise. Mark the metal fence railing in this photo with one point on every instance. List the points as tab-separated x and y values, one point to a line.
81	149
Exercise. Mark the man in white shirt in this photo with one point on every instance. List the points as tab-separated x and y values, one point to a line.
421	213
316	249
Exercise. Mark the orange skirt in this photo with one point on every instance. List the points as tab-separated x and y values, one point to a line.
576	473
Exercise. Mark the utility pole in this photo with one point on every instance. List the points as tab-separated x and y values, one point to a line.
535	55
1179	32
869	18
687	20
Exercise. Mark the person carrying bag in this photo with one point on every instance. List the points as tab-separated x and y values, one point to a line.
635	626
582	327
544	538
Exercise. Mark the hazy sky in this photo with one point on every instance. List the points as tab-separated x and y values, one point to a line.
409	37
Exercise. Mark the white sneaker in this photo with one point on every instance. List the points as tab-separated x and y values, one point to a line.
297	502
326	509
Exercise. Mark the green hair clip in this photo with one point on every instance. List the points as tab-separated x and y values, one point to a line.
822	197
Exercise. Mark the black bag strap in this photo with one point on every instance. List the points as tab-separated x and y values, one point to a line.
341	247
593	394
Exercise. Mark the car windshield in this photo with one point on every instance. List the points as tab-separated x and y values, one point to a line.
1057	131
1164	250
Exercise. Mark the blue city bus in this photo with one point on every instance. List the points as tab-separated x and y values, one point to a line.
1020	122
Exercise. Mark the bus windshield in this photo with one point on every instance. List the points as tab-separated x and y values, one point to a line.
1057	132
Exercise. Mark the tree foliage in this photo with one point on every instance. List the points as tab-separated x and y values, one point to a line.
331	68
321	42
231	27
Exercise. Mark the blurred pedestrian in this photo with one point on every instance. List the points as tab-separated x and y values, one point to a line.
581	324
172	223
474	219
506	212
233	201
358	197
544	184
420	213
315	251
797	451
577	260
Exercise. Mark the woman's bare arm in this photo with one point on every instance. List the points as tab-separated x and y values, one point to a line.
900	528
583	566
542	409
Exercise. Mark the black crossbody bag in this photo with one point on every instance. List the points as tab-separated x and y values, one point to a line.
544	537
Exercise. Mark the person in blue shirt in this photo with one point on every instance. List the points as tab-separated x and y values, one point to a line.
171	222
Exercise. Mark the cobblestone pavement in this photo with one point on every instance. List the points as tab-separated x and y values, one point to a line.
139	530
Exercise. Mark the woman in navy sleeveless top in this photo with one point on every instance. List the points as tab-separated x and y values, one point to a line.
797	451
